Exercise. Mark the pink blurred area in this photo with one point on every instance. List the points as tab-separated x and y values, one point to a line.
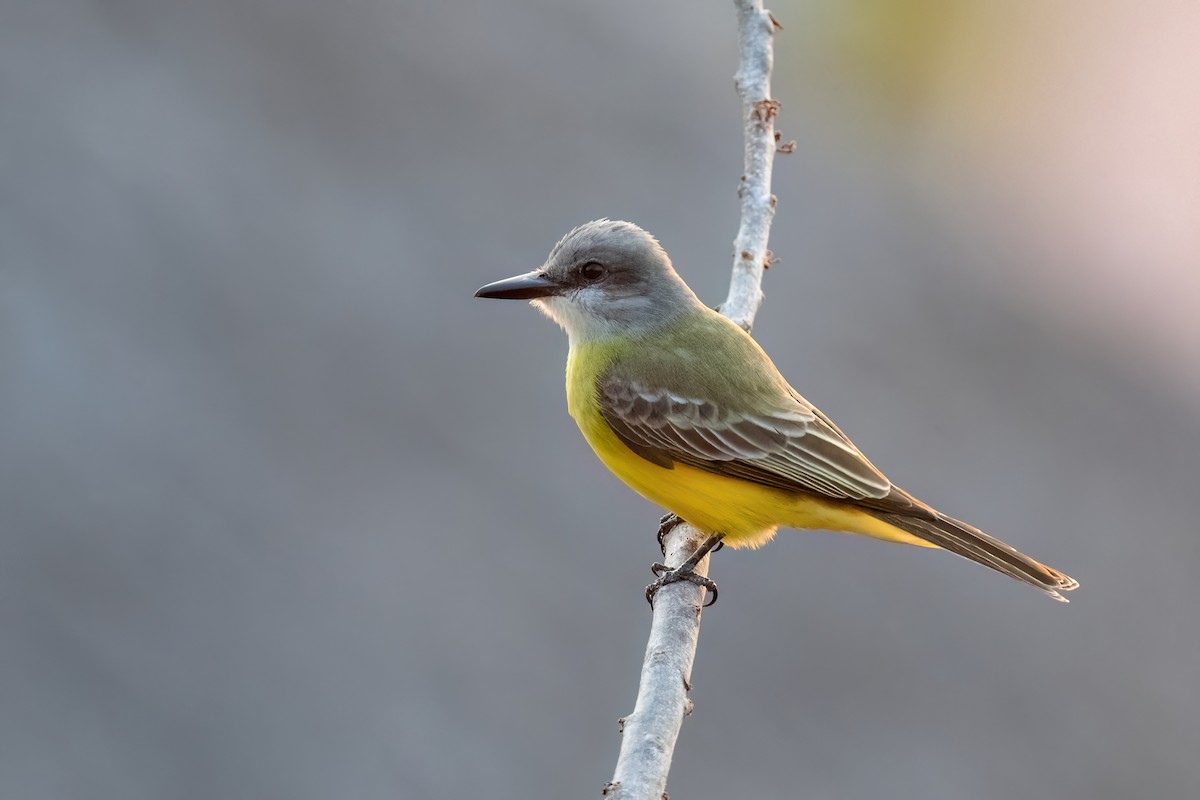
1068	134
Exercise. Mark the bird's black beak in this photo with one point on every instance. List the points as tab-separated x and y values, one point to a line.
521	287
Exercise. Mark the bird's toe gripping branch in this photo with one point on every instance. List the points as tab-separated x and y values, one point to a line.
686	570
666	524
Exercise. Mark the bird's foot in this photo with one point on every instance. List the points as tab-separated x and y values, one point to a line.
686	571
666	524
666	575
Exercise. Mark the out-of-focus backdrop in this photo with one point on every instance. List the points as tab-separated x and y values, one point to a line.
284	512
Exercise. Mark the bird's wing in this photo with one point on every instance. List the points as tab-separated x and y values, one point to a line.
793	446
789	444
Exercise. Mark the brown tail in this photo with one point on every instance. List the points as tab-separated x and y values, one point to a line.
968	542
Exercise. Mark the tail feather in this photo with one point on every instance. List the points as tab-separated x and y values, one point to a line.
972	543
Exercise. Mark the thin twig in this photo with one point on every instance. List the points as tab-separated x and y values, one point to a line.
750	255
649	733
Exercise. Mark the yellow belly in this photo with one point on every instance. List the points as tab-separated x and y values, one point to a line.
747	513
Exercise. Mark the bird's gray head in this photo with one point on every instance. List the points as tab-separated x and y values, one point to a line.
603	278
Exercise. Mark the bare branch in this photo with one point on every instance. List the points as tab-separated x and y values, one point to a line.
649	733
755	30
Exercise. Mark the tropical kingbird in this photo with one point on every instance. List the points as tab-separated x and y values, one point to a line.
685	407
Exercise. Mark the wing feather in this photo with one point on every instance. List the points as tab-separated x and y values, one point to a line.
789	445
792	445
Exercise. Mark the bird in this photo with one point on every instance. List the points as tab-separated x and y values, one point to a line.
687	409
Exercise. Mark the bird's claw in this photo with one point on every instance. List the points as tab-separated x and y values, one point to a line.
666	524
666	576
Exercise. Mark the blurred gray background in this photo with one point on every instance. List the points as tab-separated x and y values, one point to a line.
286	513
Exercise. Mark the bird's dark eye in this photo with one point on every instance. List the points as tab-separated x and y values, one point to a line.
592	271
